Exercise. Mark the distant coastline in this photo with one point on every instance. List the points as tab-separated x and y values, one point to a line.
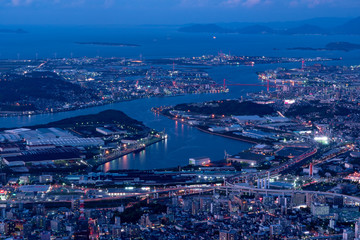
333	46
314	27
111	44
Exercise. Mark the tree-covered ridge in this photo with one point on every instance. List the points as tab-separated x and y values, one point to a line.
227	107
39	90
99	119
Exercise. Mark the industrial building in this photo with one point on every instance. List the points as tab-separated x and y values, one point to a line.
252	159
45	156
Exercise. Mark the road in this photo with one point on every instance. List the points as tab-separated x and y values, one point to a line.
190	190
233	187
275	170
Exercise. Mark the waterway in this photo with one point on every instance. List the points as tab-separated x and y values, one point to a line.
183	141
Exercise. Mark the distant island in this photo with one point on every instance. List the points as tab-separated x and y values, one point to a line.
350	27
226	107
109	44
305	29
333	46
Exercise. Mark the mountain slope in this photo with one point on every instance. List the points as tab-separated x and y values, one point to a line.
350	27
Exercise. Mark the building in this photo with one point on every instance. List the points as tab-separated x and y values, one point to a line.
45	178
9	148
318	209
46	156
57	137
217	129
299	199
199	161
249	119
228	235
275	231
250	158
108	131
355	177
34	188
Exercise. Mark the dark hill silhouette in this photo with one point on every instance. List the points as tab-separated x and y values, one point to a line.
350	27
306	29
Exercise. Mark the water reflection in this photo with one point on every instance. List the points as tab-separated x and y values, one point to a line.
106	167
142	156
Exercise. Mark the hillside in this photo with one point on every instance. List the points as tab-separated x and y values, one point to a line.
306	29
229	107
350	27
39	90
99	119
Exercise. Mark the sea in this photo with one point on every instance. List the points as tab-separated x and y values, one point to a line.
184	142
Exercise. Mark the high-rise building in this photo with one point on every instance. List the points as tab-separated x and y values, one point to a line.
223	235
275	231
357	228
318	209
228	235
27	229
45	235
298	199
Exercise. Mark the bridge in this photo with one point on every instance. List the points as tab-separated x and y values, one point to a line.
196	190
275	170
228	187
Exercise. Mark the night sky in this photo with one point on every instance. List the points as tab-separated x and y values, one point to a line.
170	11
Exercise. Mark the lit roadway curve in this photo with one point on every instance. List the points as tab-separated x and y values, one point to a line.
190	190
276	170
238	188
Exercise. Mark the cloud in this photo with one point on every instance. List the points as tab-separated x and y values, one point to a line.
108	3
251	3
16	3
232	3
181	3
245	3
314	3
61	3
195	3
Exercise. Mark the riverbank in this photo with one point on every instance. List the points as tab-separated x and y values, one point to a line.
204	129
120	154
243	139
5	114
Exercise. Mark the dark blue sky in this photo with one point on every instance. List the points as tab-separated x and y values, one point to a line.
169	11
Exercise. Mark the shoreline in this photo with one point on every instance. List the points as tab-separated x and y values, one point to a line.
23	114
242	139
136	150
227	136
